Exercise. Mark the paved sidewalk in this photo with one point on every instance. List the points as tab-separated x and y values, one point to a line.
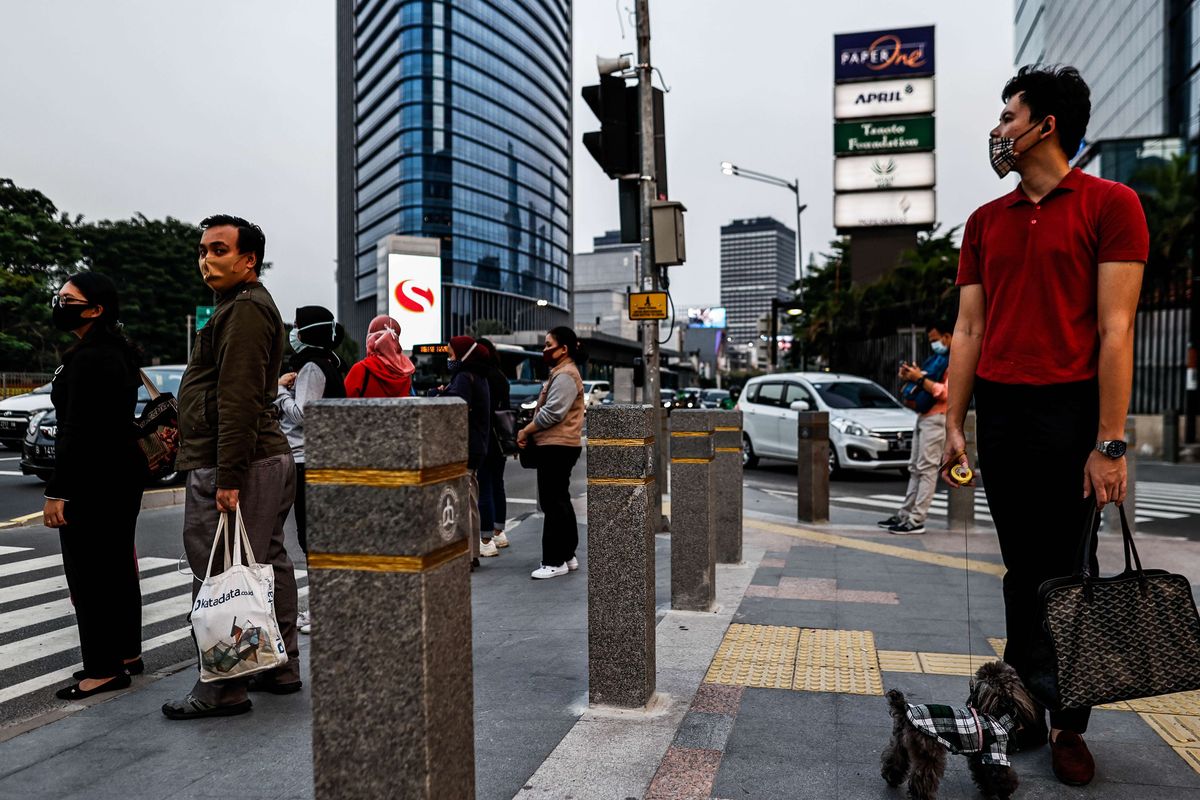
775	695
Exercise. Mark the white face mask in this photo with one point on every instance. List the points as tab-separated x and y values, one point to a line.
294	335
940	348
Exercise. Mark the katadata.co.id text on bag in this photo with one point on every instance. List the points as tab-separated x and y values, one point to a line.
233	616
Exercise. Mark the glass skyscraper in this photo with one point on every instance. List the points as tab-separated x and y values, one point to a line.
454	123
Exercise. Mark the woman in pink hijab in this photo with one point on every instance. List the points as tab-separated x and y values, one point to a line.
386	371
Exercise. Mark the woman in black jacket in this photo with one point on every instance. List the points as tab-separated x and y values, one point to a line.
96	492
493	502
468	365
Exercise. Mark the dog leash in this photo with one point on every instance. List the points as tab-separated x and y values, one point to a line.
966	561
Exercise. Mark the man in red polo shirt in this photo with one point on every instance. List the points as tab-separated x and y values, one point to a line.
1050	275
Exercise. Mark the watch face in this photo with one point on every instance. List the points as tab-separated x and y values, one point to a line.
1114	449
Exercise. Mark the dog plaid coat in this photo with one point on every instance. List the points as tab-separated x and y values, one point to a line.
964	730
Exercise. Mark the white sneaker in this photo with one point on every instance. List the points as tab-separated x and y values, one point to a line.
488	549
573	564
304	623
500	539
543	572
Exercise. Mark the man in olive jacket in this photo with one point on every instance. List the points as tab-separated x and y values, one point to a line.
233	447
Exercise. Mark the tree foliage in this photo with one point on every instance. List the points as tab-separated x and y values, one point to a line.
918	291
1168	193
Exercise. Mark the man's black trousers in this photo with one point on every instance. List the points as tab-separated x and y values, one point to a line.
1033	444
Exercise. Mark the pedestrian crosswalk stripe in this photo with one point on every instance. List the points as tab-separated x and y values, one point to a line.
5	550
23	591
46	562
893	505
61	640
34	615
58	676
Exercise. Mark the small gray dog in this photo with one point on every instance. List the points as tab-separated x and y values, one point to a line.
980	730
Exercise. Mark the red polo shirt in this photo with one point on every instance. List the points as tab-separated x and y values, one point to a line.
1038	264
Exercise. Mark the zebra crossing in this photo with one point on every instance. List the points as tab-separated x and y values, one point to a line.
1154	502
39	643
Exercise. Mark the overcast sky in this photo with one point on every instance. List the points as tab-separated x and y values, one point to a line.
185	108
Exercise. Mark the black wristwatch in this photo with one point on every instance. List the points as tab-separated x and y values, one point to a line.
1113	448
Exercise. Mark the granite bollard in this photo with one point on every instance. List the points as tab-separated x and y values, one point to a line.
812	466
960	505
727	465
390	593
693	510
623	516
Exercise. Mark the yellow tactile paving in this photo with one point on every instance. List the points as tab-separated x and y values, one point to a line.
837	649
760	656
1185	703
808	659
841	681
1191	755
898	661
1175	729
952	663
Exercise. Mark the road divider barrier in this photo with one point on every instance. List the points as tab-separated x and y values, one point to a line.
693	510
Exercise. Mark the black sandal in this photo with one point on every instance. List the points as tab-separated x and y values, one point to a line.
117	683
191	708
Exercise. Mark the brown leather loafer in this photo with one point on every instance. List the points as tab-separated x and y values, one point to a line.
1071	759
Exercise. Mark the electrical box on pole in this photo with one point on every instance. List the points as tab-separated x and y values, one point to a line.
666	218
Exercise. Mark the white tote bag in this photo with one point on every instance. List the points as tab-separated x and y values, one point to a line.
233	617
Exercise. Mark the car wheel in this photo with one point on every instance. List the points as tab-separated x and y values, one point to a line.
835	466
749	459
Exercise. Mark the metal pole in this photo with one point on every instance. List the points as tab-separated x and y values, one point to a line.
773	331
190	325
800	277
649	271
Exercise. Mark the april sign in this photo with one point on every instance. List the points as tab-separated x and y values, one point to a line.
892	53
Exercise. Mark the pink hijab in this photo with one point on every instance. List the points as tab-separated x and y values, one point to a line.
383	342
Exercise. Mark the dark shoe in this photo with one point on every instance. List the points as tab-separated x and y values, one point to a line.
257	684
906	529
132	668
191	708
118	683
890	521
1071	759
1030	737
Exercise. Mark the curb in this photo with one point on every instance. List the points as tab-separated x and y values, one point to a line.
152	499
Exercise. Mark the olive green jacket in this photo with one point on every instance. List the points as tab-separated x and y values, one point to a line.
227	413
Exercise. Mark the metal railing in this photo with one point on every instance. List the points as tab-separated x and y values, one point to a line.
15	383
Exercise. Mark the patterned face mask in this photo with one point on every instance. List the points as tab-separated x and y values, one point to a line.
1002	152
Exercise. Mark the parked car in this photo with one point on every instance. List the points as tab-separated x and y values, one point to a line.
868	428
37	455
688	398
594	392
667	398
15	413
522	398
712	398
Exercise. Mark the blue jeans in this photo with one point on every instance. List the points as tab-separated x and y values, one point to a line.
493	504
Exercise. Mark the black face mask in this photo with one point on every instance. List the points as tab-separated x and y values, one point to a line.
68	317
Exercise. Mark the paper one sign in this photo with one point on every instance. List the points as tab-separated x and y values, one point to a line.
883	136
875	209
882	98
415	298
894	53
885	171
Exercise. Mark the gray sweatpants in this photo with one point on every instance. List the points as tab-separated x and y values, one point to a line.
929	439
265	499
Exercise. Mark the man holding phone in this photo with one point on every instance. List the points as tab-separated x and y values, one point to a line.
1050	275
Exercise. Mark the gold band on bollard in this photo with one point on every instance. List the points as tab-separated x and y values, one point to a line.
621	481
682	434
726	428
620	442
385	478
693	460
729	449
369	562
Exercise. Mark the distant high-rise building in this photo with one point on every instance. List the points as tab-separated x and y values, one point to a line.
758	264
454	123
602	279
1141	59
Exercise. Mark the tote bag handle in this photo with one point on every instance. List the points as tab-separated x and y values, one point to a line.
240	540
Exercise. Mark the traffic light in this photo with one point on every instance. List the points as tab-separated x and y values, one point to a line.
615	145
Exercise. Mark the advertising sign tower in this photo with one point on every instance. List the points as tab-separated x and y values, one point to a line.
884	166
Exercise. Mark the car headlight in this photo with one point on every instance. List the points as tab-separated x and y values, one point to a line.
31	429
530	406
848	427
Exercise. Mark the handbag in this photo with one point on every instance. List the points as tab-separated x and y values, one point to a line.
1135	634
157	430
233	615
504	431
528	454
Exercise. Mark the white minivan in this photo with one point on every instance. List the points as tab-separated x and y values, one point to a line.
868	428
594	392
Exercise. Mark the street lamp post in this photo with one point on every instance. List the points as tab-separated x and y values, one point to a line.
792	186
